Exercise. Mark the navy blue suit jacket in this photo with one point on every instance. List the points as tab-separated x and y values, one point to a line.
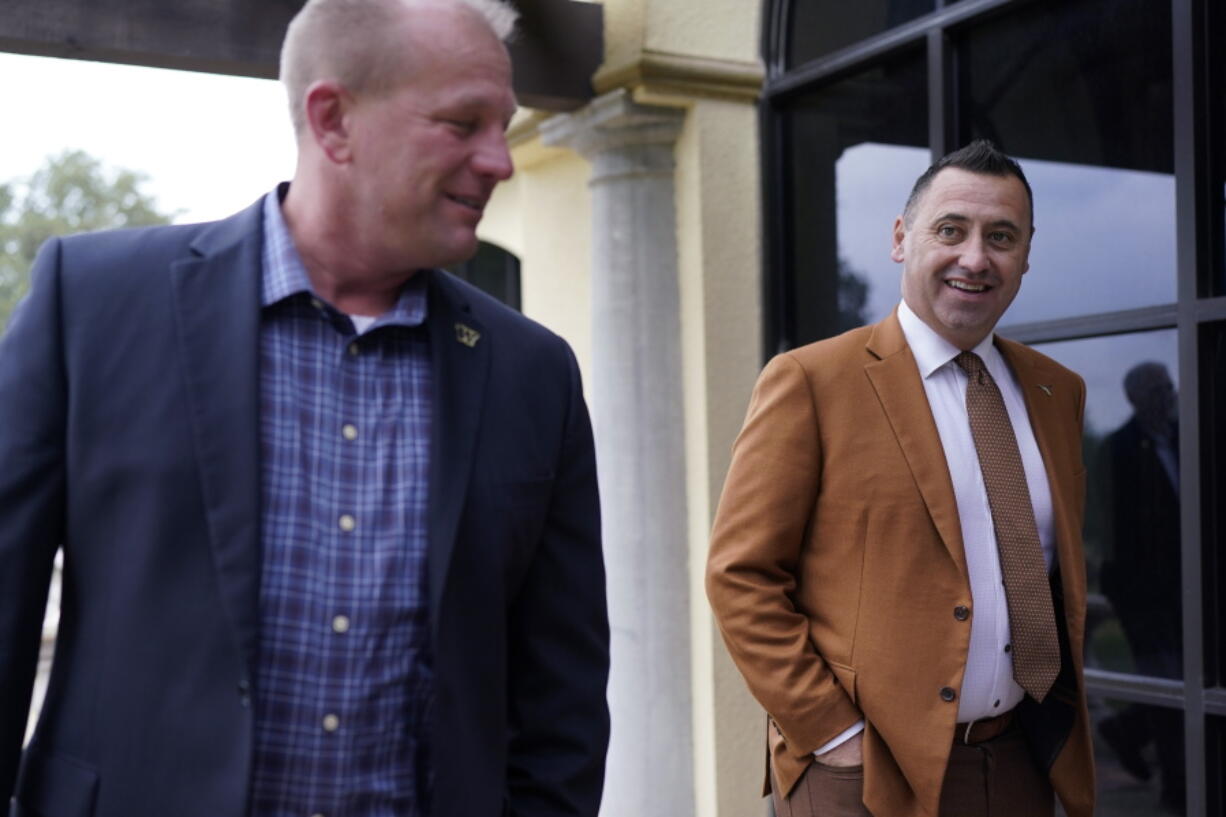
129	434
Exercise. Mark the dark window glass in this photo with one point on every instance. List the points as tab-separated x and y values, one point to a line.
1217	55
1081	93
493	270
1139	756
1213	489
1132	533
854	150
1215	761
818	27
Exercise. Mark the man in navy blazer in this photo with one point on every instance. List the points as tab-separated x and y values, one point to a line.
329	515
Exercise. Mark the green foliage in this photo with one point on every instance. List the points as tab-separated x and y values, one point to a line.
71	193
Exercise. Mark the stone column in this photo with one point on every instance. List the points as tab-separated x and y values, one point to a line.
637	414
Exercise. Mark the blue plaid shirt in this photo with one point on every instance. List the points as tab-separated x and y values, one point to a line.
344	684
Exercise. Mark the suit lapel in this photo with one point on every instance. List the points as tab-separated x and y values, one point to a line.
895	378
459	355
216	302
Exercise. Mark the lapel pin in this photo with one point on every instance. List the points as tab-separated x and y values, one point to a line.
1046	389
467	335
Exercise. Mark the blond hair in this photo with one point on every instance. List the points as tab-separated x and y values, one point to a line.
360	44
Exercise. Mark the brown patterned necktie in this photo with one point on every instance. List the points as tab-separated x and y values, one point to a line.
1036	651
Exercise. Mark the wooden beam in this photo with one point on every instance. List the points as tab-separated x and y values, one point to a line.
558	49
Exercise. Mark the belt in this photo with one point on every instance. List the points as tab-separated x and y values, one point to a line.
982	730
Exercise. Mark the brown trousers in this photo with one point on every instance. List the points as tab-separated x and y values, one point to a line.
993	778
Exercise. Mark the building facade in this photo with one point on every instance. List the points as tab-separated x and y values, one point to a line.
729	194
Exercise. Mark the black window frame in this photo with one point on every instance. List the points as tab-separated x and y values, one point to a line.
1198	313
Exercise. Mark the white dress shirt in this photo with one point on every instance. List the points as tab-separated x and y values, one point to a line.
988	688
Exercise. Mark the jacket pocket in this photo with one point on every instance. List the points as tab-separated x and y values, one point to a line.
55	786
847	679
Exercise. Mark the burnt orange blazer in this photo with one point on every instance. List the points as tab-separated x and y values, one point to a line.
837	562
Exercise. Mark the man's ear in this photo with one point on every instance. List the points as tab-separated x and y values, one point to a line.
900	232
1029	244
327	108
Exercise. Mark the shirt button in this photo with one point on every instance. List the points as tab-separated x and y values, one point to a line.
331	723
996	703
318	304
962	612
1008	648
317	814
354	348
948	694
347	522
349	431
340	624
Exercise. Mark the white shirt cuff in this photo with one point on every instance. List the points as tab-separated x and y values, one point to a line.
844	736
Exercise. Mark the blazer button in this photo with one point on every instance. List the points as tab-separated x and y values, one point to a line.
948	694
962	612
244	692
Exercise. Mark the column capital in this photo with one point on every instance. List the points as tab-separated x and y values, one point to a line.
611	122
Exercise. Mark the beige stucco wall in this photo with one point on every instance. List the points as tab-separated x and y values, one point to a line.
720	259
544	216
719	29
625	24
716	29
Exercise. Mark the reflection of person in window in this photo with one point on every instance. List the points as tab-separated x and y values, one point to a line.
1140	574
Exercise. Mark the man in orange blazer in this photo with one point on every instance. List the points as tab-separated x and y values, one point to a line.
856	559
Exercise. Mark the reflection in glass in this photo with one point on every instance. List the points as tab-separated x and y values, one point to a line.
1081	92
854	150
818	27
1132	534
1132	542
872	182
1104	240
1139	759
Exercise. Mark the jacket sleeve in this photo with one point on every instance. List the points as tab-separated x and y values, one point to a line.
33	398
760	529
558	660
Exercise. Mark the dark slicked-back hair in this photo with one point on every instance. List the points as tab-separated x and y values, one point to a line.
980	156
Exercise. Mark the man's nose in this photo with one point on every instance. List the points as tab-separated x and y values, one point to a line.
974	257
493	157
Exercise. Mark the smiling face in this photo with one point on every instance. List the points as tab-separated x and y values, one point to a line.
964	252
426	156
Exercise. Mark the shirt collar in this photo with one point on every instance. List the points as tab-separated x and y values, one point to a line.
284	275
931	351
